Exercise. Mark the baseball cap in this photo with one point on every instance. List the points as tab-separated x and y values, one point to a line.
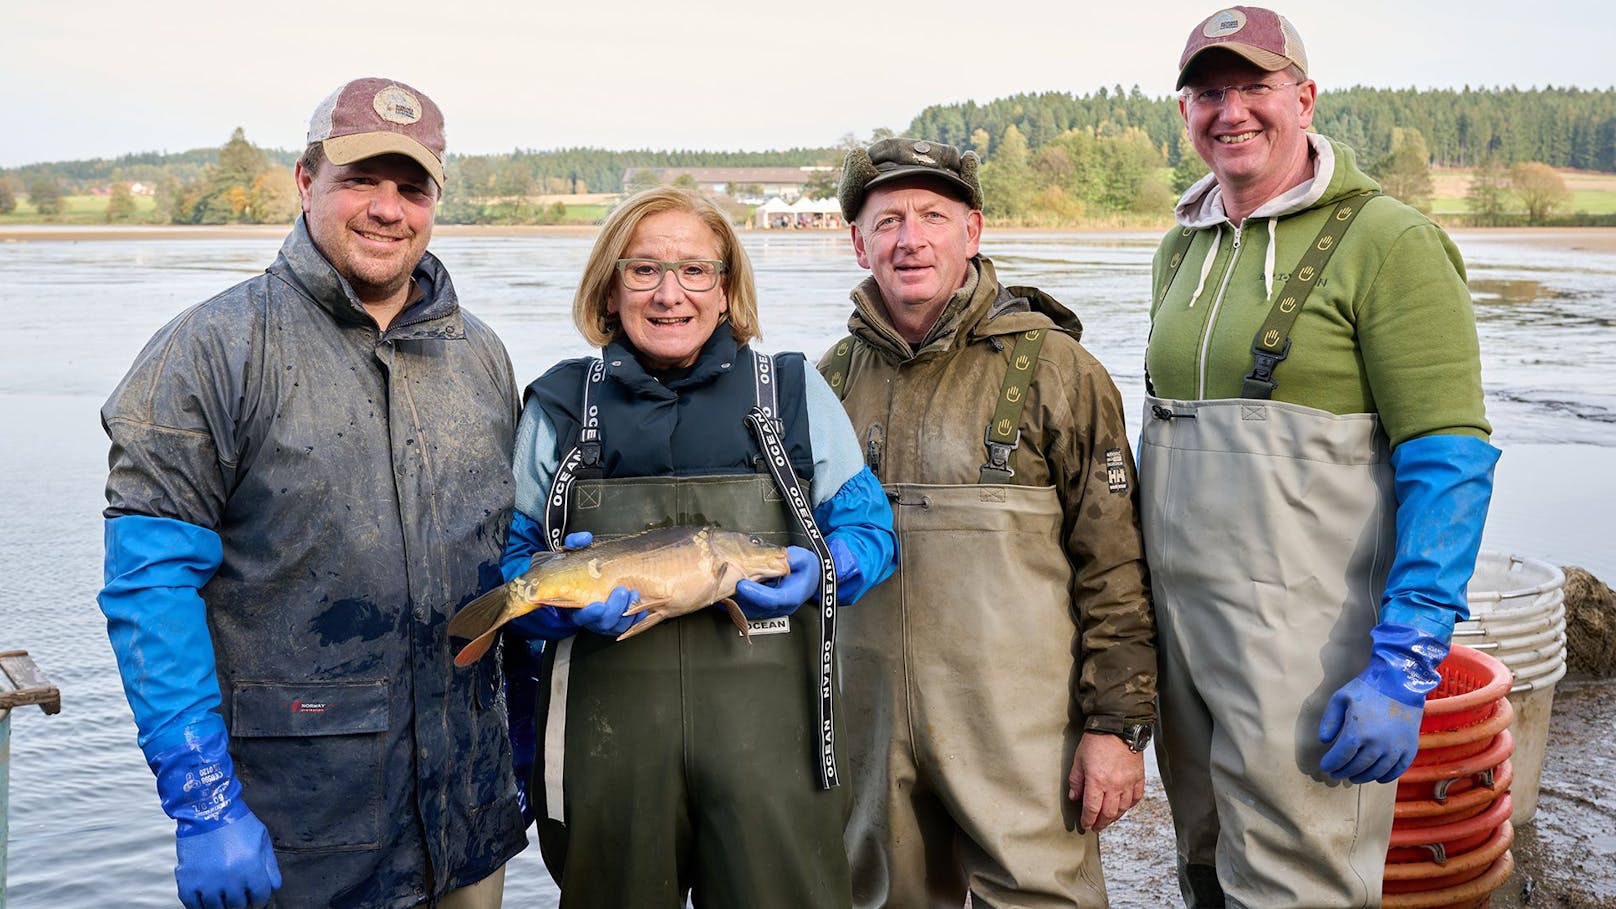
370	116
1261	36
900	157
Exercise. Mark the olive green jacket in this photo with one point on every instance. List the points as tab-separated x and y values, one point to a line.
921	416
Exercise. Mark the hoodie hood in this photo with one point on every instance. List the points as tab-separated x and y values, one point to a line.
1335	176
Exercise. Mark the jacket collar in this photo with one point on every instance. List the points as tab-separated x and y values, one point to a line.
717	357
436	315
979	309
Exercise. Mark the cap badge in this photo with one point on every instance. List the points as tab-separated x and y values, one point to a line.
922	147
1223	23
395	105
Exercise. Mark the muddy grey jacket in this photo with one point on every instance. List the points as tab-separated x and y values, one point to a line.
922	411
360	482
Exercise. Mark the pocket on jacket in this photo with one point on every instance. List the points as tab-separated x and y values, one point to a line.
309	757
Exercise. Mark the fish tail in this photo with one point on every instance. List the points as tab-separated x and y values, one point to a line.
480	615
479	646
738	617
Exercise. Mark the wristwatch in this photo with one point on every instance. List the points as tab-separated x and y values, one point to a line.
1136	735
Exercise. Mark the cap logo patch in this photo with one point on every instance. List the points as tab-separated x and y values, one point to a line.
922	147
1224	23
395	105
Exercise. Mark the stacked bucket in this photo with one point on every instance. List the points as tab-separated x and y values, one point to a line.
1451	832
1517	614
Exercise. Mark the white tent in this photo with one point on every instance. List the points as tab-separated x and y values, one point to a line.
776	212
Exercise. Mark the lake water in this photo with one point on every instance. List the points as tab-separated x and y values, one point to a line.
86	828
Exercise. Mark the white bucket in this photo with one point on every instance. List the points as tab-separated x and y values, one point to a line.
1517	614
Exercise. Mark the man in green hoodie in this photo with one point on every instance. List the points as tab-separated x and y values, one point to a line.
1315	473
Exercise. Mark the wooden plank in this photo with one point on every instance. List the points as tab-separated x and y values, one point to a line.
22	683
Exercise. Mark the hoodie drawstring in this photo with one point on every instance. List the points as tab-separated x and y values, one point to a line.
1206	263
1268	260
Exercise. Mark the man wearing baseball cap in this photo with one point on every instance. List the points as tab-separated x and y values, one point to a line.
1315	473
309	473
998	688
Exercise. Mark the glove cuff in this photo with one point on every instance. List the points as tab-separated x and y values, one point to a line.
197	784
1403	662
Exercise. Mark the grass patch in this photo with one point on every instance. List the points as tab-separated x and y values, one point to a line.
1592	193
87	209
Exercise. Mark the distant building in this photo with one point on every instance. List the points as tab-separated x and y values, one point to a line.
760	182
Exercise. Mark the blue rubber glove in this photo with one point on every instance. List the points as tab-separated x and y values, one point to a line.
607	617
546	623
781	596
226	860
1444	485
1374	720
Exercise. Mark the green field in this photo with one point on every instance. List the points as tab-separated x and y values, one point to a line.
79	210
1592	193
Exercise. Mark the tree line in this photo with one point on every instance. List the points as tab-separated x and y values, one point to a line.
1048	157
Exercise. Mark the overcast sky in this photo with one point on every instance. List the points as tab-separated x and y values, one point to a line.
99	78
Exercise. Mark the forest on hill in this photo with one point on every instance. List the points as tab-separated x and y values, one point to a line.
1051	157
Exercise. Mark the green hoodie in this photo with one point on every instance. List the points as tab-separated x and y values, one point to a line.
1389	328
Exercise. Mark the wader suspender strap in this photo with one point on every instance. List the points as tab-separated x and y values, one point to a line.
1004	430
1272	343
1180	248
774	456
764	389
585	456
841	357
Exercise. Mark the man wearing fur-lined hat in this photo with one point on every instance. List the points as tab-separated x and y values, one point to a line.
998	687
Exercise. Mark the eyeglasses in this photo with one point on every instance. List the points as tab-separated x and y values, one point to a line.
694	275
1251	91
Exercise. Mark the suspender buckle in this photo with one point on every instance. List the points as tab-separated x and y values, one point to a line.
1259	383
997	469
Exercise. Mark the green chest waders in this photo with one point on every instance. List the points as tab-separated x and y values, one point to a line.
687	759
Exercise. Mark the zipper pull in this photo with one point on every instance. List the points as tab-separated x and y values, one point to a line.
1164	413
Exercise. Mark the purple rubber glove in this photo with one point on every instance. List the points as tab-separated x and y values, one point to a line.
781	596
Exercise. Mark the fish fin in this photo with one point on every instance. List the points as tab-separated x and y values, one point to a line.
738	617
480	615
640	626
476	648
643	604
542	556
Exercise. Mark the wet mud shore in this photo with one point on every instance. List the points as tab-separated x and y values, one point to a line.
1565	857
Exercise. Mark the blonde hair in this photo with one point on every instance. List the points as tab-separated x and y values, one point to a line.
600	327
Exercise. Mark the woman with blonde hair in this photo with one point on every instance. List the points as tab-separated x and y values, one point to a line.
690	760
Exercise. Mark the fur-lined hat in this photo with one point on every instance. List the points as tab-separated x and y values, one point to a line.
899	157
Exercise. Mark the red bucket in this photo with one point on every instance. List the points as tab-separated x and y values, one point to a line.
1472	683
